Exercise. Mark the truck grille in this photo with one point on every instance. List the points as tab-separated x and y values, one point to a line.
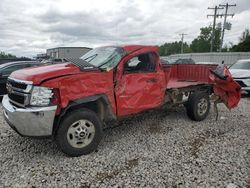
17	84
16	98
19	92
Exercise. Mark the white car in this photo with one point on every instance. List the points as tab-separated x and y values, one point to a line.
241	73
206	63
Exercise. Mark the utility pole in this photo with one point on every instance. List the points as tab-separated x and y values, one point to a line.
215	15
182	38
225	20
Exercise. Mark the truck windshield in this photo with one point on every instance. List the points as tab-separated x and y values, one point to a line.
104	57
241	65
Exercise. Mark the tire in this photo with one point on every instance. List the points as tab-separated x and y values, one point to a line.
198	106
79	133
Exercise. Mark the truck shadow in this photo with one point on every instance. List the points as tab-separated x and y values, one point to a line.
144	122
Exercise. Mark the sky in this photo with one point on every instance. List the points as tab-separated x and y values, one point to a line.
30	27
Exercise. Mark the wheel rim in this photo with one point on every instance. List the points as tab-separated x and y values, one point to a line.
202	106
81	133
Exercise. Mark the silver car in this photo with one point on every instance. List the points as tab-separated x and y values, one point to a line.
241	73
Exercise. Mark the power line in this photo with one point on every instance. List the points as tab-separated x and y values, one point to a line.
225	21
215	15
182	38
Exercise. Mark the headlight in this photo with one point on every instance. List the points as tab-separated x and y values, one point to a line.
40	96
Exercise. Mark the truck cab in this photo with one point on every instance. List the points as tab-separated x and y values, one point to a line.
70	102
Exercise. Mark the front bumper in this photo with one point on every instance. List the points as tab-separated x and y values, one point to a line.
32	121
244	83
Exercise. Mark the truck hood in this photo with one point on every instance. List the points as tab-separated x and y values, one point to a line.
45	72
240	73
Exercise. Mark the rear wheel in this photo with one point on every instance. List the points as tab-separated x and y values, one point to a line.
79	133
198	106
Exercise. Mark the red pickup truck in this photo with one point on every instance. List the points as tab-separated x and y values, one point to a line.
70	102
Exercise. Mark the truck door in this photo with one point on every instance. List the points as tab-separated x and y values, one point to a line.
140	86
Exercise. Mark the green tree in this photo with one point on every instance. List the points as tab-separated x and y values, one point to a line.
244	44
5	55
203	42
173	48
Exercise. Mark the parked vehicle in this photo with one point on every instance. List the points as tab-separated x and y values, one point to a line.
241	74
71	101
7	60
7	68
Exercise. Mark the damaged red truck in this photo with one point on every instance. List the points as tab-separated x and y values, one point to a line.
70	102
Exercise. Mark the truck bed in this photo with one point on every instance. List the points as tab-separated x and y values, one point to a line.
178	76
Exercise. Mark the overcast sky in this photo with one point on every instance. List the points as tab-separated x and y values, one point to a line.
30	27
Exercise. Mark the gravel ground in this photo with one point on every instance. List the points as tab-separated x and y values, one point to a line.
157	149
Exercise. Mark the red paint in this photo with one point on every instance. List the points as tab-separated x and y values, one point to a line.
228	90
38	74
128	93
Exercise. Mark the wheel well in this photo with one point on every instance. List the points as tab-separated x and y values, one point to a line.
98	104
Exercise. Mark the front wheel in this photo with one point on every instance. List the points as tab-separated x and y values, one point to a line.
79	133
198	106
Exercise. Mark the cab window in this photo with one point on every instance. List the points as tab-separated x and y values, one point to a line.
142	63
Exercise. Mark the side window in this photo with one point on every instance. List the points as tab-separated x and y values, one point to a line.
142	63
9	70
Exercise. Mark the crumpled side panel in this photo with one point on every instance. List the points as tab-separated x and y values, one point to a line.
138	92
228	90
84	85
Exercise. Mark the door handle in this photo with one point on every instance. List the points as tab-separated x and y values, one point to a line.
152	80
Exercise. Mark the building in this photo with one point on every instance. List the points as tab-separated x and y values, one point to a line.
41	56
67	52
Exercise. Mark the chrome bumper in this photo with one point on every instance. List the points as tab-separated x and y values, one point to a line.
32	121
244	83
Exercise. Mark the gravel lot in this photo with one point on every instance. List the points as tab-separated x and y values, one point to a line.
157	149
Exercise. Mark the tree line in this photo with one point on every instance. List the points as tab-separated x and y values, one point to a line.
4	55
203	41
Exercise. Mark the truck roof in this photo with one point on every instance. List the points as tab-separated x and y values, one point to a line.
131	48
